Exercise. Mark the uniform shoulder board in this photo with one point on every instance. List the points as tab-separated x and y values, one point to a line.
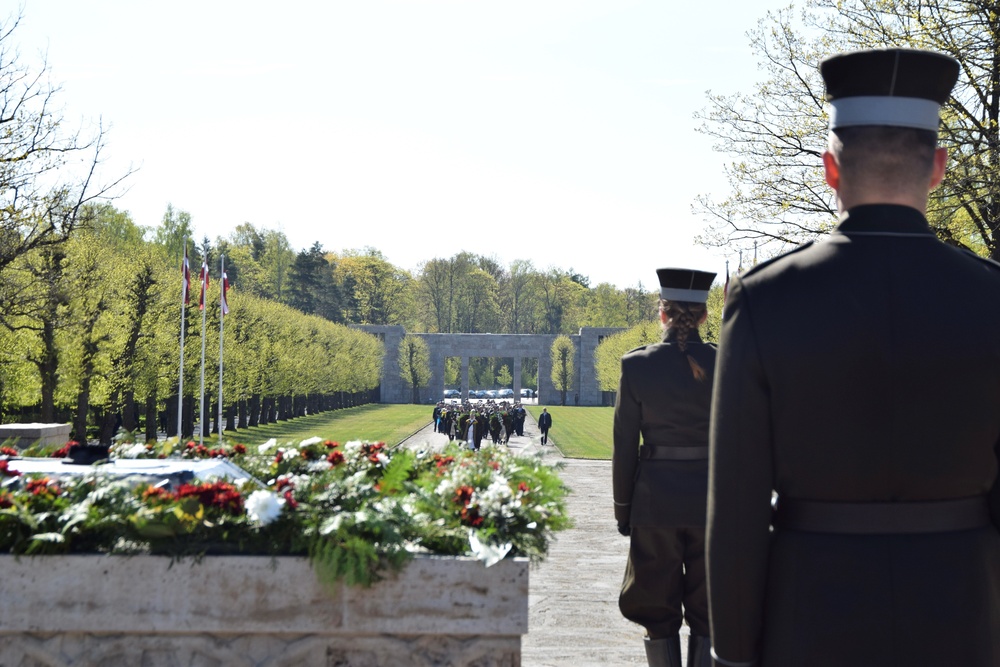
638	349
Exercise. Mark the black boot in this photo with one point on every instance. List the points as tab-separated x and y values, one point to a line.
663	652
699	651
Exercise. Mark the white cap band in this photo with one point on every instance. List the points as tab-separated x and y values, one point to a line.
676	294
912	112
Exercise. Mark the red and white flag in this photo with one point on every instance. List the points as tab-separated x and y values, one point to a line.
225	291
186	271
204	284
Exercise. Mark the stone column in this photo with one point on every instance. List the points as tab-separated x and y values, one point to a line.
517	377
465	378
436	384
547	393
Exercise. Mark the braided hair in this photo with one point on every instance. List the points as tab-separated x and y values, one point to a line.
682	319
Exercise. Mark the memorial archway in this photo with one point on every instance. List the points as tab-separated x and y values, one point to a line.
515	346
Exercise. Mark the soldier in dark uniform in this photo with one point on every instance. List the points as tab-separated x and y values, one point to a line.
859	379
660	487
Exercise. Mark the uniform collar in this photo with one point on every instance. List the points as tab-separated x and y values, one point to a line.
670	335
884	219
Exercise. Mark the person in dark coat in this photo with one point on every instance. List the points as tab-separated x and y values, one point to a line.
859	380
660	487
544	424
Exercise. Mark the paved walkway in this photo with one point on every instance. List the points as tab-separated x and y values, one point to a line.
573	616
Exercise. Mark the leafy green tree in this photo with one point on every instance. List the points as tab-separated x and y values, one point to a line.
439	285
452	371
777	133
414	364
529	373
311	286
276	261
561	302
172	233
518	297
373	290
504	378
476	303
607	356
606	307
563	368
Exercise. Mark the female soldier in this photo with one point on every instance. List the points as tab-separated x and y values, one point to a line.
660	488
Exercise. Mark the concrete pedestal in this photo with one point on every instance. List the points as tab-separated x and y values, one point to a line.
257	610
26	435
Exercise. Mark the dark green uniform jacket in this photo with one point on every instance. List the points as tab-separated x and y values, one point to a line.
862	368
660	399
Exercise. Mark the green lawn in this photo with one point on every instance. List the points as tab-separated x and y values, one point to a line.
388	423
581	433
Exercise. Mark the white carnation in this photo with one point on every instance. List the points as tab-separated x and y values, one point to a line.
133	452
267	446
264	506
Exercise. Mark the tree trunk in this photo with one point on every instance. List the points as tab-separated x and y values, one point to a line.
130	421
254	417
151	417
48	364
241	408
187	425
170	417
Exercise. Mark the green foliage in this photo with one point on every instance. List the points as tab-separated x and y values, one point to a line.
563	369
414	363
776	134
358	509
580	432
373	290
607	356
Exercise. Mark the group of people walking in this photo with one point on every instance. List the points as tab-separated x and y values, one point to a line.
840	387
472	422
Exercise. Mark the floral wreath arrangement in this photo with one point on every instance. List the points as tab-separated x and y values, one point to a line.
356	509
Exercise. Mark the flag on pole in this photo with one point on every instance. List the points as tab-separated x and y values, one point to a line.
186	270
225	291
204	284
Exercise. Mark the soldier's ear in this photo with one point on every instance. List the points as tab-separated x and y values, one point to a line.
831	170
704	316
663	317
940	164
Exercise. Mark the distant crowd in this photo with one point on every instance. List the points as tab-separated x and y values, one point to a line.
470	422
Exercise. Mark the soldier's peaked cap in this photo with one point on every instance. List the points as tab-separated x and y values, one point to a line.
894	87
685	284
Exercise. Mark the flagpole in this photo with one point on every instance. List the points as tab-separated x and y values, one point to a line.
204	315
185	288
222	317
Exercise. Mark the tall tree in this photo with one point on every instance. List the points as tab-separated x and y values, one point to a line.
373	290
414	364
563	369
777	133
311	285
518	299
42	188
172	233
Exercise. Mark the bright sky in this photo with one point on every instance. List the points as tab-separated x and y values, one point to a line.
559	131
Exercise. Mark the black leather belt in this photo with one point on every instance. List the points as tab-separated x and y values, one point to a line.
936	516
673	453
